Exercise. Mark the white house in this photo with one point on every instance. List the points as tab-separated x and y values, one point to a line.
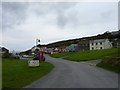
100	44
33	48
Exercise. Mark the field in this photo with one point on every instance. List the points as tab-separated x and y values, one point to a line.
62	54
0	72
16	73
109	67
87	55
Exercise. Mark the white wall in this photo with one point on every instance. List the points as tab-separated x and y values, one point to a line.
106	44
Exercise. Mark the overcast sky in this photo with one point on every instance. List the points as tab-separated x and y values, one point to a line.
24	22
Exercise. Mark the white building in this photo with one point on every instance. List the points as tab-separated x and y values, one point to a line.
33	48
100	44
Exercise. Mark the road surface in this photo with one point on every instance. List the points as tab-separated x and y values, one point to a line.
69	74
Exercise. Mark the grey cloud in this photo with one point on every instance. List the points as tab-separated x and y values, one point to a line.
13	13
72	13
0	16
58	8
88	14
64	19
119	15
61	20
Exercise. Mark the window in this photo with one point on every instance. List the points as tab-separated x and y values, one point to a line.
96	43
100	47
100	43
92	43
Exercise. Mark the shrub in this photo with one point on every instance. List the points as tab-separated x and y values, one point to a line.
6	55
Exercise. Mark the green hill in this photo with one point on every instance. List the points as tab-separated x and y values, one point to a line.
110	35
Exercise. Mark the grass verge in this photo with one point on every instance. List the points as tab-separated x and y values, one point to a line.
17	74
111	63
62	54
87	55
109	67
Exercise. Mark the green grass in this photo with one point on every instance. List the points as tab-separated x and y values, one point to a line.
16	73
62	54
87	55
111	63
109	67
0	73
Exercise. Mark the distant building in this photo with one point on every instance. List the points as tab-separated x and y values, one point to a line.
55	52
33	48
43	49
72	47
49	50
100	44
61	49
3	50
84	45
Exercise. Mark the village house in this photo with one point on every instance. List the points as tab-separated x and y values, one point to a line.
43	49
3	50
84	45
48	50
72	47
55	51
33	48
100	44
61	49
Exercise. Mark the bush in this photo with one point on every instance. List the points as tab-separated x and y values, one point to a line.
6	55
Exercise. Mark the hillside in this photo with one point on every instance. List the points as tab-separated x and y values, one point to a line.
110	35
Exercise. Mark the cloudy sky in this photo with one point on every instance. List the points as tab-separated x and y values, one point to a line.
24	22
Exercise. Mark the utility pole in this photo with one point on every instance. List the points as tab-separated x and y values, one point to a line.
37	40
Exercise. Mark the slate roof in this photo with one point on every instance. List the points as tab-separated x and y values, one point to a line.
98	40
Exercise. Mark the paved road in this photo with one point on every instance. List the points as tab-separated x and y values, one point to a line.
68	74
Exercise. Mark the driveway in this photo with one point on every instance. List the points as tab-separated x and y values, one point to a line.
69	74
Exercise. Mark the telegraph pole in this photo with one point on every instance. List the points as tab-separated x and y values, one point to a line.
37	40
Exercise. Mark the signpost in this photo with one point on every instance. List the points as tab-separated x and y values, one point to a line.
33	63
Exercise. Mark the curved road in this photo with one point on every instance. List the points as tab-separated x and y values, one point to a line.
69	74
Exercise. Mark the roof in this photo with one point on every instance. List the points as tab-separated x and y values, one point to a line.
84	42
73	44
115	32
98	40
3	49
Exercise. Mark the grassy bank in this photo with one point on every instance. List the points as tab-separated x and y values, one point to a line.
16	73
0	72
62	54
109	67
87	55
111	63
